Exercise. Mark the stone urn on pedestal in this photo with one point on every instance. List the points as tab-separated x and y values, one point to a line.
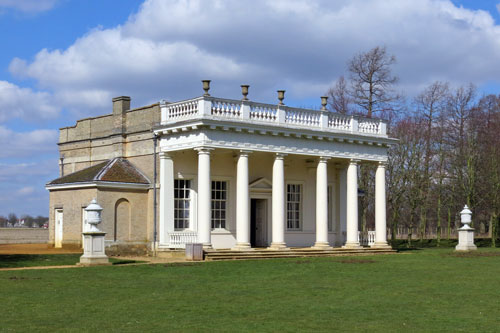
93	240
466	233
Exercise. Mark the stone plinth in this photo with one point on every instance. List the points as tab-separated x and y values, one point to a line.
93	249
466	240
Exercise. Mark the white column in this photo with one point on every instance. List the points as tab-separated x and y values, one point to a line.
352	206
166	198
380	209
322	205
278	203
242	203
204	197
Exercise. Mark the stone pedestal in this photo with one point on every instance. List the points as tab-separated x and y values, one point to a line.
466	239
93	249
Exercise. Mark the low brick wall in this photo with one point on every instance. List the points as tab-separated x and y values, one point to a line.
24	235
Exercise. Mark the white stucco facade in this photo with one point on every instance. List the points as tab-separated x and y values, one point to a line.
239	174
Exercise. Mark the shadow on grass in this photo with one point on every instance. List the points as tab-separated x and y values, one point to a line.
32	260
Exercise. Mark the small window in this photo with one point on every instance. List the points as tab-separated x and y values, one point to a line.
293	205
182	203
219	204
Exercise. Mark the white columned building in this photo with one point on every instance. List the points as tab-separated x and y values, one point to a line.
237	174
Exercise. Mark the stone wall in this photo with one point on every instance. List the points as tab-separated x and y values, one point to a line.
125	133
24	236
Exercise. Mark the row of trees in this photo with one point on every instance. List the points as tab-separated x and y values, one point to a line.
29	221
448	154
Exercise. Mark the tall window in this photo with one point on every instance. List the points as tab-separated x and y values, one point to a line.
182	203
293	205
219	204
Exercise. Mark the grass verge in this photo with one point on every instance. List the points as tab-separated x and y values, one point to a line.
420	290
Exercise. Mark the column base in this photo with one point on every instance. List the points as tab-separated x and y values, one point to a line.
321	246
352	245
207	246
242	247
278	246
381	245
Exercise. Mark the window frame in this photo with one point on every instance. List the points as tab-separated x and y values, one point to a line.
300	205
189	219
226	201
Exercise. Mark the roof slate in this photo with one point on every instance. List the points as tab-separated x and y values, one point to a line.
114	170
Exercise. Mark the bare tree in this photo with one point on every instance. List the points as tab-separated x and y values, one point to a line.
372	81
340	100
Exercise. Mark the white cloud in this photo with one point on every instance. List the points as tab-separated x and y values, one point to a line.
29	6
25	190
17	102
302	46
27	144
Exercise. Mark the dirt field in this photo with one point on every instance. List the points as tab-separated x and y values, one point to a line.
33	249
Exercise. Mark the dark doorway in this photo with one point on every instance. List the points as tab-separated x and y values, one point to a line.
258	222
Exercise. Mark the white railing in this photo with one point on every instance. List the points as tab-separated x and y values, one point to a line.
226	108
263	112
179	239
182	110
303	117
366	238
367	126
267	113
338	121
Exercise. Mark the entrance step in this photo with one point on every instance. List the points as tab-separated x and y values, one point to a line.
212	255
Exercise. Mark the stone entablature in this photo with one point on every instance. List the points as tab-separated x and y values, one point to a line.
232	124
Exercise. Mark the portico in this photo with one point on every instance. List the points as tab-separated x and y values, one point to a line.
228	167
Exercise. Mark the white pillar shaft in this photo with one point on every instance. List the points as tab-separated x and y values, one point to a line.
242	203
322	204
352	205
380	208
204	198
278	203
166	224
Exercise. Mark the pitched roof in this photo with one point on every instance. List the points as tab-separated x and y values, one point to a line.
115	170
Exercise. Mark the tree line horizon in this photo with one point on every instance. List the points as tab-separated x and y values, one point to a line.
448	154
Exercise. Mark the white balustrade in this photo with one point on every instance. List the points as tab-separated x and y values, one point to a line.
263	112
368	126
307	118
366	238
339	122
226	108
179	239
182	110
268	113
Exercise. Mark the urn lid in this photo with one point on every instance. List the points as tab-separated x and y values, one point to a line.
93	206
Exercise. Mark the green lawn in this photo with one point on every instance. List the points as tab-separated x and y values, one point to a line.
423	290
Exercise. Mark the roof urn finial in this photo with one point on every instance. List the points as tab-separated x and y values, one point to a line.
206	87
244	91
281	96
324	101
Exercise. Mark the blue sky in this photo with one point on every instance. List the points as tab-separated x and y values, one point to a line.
63	60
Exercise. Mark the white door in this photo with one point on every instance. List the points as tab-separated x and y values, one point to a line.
58	227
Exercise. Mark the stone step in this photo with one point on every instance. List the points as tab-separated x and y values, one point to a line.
296	253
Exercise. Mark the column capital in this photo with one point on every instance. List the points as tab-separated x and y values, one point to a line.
280	156
164	155
354	161
382	164
244	152
203	150
324	159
